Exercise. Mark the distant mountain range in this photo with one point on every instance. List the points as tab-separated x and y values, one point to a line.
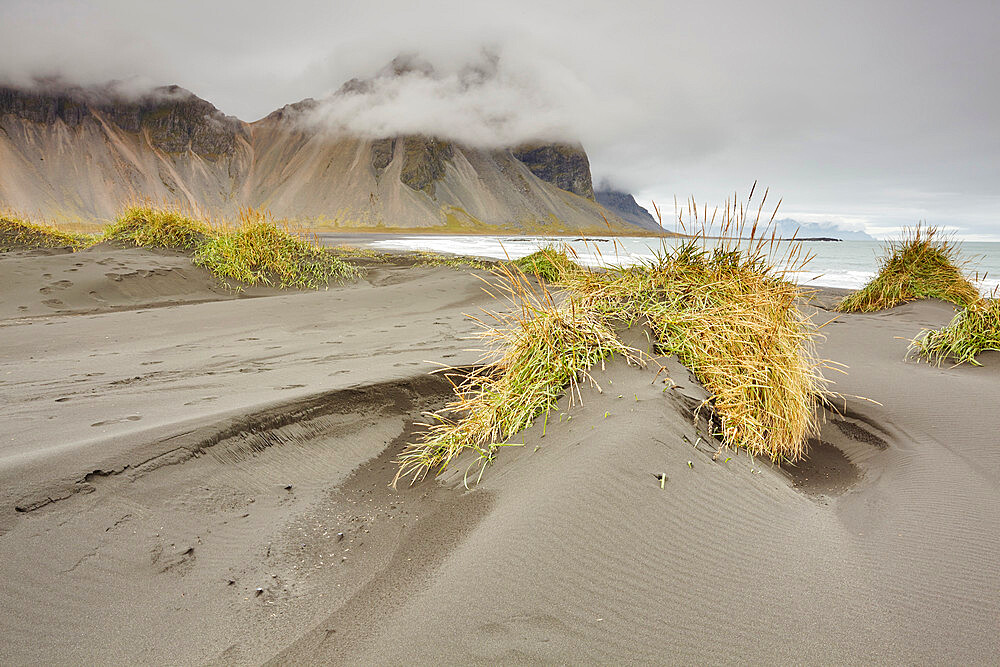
624	205
787	226
75	153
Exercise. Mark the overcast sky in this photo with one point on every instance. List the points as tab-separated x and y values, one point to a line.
873	114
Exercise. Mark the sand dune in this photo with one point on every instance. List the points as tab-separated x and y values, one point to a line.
583	558
160	465
104	279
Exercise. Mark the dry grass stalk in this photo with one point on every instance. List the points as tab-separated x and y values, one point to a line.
732	319
721	302
535	352
921	265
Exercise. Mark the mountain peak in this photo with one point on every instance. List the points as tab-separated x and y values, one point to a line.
175	119
168	144
625	205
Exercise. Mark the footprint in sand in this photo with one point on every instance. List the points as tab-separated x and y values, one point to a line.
53	303
130	418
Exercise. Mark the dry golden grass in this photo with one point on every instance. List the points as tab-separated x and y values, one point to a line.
721	302
536	352
739	330
255	249
345	250
922	265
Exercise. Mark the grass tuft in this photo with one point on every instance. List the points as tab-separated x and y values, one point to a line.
733	321
428	258
17	233
549	264
718	302
922	265
148	227
345	250
258	251
975	329
536	351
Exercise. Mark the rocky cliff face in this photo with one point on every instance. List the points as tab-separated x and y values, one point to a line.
424	162
625	205
74	153
565	166
175	119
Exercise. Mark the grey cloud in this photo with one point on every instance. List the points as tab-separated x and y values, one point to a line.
873	114
493	101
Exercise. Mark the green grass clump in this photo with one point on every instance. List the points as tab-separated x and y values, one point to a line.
358	252
922	265
148	227
16	233
549	264
258	251
538	351
427	258
975	329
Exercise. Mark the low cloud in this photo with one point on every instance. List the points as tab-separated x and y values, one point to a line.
486	102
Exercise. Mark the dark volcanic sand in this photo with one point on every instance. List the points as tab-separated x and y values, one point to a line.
150	433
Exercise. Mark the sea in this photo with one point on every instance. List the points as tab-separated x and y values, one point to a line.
846	264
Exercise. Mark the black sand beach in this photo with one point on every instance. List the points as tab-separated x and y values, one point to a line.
190	476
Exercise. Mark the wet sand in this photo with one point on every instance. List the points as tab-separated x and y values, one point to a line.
190	476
